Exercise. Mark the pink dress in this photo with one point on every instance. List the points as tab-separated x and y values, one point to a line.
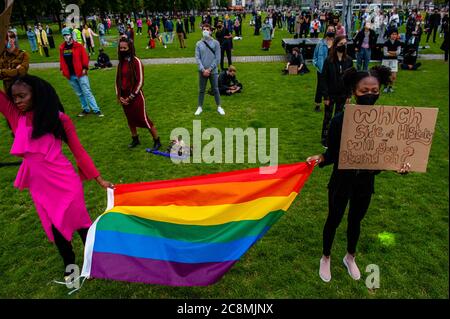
55	187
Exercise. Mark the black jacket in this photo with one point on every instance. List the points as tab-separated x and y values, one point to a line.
345	181
225	43
434	20
332	84
296	60
359	38
103	58
225	81
180	27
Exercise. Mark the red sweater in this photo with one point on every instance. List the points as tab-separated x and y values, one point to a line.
79	57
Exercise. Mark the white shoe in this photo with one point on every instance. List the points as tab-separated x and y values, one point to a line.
352	268
324	270
199	111
220	110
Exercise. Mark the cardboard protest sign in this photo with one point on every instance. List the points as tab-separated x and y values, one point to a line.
392	64
293	69
385	137
4	23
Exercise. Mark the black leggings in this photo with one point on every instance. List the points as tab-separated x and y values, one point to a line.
337	203
89	42
65	247
222	56
338	104
318	97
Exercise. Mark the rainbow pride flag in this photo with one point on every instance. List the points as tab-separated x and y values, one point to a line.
189	231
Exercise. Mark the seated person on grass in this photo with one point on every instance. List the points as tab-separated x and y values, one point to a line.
410	58
296	58
103	60
228	84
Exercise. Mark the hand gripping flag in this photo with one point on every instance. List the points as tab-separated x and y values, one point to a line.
189	231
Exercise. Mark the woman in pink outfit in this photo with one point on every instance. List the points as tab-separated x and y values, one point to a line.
37	120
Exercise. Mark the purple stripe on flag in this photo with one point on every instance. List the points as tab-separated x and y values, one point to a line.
160	272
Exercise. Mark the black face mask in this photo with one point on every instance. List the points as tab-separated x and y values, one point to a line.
366	99
124	54
341	48
330	34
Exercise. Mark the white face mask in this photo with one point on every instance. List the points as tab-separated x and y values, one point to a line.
67	38
205	33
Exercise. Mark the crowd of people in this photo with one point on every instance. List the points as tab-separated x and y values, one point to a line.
39	124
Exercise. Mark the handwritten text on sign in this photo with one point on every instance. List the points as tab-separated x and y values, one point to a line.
385	137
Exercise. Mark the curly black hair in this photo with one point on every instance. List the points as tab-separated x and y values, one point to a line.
352	77
46	107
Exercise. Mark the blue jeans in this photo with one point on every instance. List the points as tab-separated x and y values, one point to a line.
33	44
213	79
83	91
363	55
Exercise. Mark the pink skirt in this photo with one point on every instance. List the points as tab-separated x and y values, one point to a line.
57	192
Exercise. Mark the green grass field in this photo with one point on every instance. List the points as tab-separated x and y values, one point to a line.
248	46
284	263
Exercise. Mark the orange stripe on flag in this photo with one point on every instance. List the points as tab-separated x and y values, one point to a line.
218	194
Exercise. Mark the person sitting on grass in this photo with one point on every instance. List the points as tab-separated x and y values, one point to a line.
410	58
103	60
296	59
228	84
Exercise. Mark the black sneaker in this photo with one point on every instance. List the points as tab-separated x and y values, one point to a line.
156	145
84	113
135	142
99	114
317	108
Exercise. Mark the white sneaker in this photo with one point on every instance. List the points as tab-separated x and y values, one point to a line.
324	269
199	110
352	268
220	110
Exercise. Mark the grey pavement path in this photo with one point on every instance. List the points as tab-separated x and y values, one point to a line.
238	59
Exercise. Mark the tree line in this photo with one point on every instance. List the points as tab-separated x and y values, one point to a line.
32	11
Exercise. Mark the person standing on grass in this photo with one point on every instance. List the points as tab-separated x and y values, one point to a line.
139	26
353	187
181	33
391	51
36	115
192	22
320	54
186	23
129	84
31	35
257	23
88	38
365	41
41	36
340	30
77	36
49	32
13	62
207	56
445	44
298	26
333	91
225	39
315	27
102	33
74	64
434	21
266	31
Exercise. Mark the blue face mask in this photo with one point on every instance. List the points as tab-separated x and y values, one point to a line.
8	45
